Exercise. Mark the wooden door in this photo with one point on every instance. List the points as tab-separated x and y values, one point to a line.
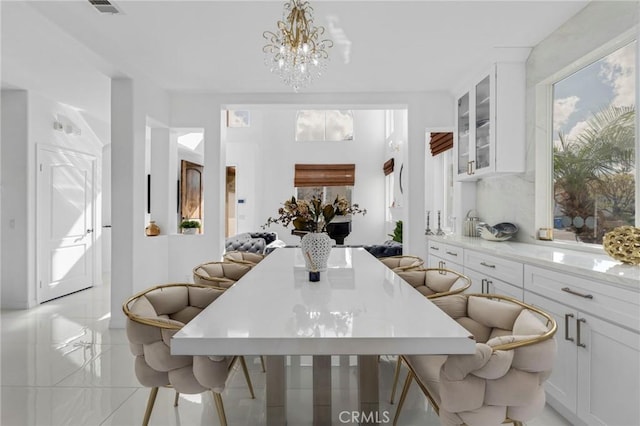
191	190
65	217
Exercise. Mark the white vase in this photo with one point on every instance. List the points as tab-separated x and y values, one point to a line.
318	246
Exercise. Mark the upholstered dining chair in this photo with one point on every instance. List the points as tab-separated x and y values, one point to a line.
243	257
402	263
219	274
223	275
432	283
153	317
503	381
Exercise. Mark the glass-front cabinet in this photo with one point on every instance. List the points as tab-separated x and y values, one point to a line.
483	124
463	133
490	123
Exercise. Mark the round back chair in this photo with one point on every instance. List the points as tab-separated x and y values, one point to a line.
503	381
402	263
153	317
243	257
219	274
436	282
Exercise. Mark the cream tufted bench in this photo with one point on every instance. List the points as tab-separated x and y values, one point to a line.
153	317
504	380
402	263
219	274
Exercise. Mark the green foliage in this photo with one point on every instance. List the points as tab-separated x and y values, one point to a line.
190	224
597	169
397	232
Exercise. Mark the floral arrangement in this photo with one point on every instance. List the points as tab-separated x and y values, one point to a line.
313	215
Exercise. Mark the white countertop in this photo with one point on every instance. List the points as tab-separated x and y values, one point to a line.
359	307
592	265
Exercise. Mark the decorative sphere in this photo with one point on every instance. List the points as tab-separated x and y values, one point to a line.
623	244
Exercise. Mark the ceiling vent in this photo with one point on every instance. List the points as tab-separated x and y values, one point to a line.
104	6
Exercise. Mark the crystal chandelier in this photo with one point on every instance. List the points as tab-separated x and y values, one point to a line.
296	51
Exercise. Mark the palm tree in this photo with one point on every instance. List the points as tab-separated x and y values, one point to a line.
585	170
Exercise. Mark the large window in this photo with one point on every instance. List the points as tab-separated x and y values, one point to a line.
324	125
594	148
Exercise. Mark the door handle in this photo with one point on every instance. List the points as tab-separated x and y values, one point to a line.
566	327
89	231
482	285
579	343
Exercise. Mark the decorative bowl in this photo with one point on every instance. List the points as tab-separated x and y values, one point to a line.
487	234
505	228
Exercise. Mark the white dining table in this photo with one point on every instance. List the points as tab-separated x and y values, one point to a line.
359	307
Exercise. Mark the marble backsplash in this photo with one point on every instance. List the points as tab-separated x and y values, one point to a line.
508	199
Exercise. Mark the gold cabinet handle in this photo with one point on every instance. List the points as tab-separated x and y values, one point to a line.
566	327
575	293
471	172
579	343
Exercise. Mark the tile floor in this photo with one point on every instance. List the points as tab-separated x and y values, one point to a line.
62	365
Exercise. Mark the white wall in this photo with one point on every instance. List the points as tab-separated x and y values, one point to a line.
138	261
266	164
25	129
14	154
512	198
425	110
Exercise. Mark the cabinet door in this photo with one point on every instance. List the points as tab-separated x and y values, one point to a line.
608	373
482	283
484	125
463	145
438	262
561	385
504	289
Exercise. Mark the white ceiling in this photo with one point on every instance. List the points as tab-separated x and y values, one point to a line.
69	51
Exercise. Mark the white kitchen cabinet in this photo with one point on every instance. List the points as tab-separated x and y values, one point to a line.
493	275
445	256
596	376
482	283
490	124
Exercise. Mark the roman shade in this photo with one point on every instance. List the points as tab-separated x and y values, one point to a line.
388	166
312	175
440	142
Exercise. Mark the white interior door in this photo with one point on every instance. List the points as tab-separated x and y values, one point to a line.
65	217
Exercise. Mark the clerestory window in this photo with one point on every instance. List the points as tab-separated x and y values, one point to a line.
324	125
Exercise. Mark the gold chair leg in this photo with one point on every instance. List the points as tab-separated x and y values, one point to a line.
246	376
403	396
264	370
150	402
217	398
175	400
396	376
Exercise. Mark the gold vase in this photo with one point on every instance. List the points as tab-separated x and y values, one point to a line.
152	229
623	244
